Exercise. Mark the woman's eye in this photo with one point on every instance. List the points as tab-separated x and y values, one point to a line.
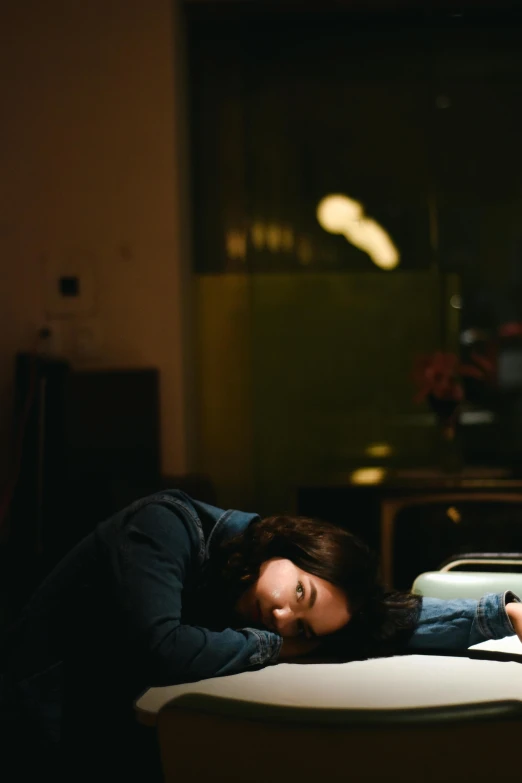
300	590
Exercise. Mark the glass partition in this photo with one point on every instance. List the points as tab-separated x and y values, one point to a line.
356	197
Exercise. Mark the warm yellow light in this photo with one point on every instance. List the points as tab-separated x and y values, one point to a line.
236	243
304	251
454	514
287	238
258	235
368	476
378	450
339	214
273	237
337	211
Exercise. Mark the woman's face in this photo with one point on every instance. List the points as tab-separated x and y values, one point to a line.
292	602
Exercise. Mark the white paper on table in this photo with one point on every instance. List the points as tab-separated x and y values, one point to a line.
509	644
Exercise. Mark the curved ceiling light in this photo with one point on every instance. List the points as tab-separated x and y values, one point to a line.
339	214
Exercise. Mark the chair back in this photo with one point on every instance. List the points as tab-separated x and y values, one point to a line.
472	575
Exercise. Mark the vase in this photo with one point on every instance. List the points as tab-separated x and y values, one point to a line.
450	447
449	435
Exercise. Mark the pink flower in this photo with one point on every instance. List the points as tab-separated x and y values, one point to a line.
438	375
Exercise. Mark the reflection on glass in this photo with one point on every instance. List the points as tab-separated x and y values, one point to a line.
339	214
368	476
236	245
456	302
258	234
304	251
378	450
273	237
287	238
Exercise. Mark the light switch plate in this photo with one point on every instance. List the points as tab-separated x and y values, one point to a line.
74	263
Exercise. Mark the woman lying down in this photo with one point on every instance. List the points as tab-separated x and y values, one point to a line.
172	590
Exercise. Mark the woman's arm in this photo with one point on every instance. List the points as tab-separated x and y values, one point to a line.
155	559
461	622
514	612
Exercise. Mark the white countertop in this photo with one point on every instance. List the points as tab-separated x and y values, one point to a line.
402	682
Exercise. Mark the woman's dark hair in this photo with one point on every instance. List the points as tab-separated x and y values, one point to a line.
382	621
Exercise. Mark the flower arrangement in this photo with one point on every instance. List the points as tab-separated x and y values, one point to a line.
445	382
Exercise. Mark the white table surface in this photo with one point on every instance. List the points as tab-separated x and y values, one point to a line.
402	682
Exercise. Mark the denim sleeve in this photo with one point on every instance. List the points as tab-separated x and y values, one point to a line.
458	623
154	559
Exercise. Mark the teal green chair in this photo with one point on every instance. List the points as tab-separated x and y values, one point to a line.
472	575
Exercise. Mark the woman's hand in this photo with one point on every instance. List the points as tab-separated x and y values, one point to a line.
297	646
514	612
